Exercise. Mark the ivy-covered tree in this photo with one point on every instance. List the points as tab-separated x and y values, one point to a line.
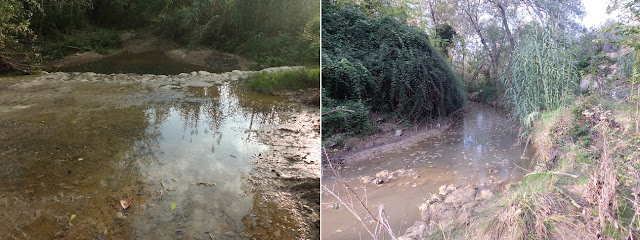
15	18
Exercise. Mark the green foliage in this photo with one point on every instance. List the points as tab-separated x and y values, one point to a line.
625	64
350	118
285	80
542	75
272	32
91	39
444	38
385	64
14	22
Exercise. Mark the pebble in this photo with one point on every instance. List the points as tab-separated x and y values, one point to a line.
230	234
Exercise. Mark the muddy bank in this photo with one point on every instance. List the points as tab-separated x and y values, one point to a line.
288	176
182	147
390	138
139	43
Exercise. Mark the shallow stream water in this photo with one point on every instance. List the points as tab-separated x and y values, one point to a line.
477	149
72	145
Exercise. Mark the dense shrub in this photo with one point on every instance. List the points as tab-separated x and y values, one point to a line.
385	64
349	118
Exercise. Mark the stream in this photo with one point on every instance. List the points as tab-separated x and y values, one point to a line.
193	151
477	149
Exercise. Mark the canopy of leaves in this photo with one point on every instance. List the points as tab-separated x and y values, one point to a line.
388	65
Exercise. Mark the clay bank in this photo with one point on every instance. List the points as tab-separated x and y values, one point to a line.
144	156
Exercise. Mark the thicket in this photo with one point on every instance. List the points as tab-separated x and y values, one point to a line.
542	75
271	32
386	65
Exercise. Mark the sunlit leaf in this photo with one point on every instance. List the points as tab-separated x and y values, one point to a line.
74	122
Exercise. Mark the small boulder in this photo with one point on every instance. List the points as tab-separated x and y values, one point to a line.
418	230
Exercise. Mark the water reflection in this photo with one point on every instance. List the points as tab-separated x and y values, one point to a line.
64	158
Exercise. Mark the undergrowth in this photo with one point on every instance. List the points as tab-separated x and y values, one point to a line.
59	45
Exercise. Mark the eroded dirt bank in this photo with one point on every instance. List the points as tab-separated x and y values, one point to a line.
136	43
200	158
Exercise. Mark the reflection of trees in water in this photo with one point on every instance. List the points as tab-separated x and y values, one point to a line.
213	106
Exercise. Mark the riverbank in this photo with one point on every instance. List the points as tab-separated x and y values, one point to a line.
583	185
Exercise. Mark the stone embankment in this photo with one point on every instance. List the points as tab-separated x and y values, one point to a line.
193	79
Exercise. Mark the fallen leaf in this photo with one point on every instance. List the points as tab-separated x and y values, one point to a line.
173	205
73	216
74	122
125	202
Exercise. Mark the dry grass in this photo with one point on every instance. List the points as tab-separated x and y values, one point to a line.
546	206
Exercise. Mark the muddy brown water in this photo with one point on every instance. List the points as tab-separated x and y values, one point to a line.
72	145
476	149
150	62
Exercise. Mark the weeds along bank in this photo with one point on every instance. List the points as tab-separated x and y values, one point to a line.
584	186
271	33
380	65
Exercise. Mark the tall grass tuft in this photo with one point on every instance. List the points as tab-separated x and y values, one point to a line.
273	82
542	75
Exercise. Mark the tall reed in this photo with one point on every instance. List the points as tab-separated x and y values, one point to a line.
542	75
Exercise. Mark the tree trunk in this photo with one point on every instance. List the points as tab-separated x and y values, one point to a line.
505	24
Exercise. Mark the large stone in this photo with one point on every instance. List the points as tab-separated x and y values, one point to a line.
417	231
461	196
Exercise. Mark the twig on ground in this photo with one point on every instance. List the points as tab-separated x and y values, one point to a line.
381	224
554	172
337	110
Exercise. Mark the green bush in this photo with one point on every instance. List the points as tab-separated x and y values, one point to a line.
542	75
285	80
625	62
386	65
350	118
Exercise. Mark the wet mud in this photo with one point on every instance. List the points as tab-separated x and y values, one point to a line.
194	152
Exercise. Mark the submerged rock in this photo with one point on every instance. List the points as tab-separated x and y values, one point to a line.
451	204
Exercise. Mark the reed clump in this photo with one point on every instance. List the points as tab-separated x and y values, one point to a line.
542	76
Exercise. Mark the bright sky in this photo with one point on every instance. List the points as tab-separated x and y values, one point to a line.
596	12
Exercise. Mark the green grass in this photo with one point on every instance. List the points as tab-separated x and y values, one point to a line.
285	80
